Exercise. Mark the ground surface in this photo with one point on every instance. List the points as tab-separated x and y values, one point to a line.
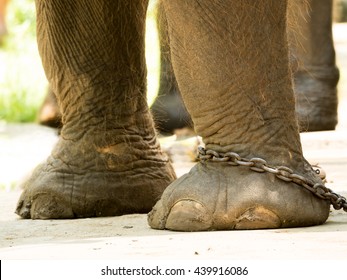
129	237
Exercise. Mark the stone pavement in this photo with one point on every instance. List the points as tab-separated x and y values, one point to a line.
129	237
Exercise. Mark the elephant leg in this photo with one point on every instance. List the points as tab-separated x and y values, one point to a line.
168	109
232	66
108	160
316	76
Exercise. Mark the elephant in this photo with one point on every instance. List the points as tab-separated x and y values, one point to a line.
231	61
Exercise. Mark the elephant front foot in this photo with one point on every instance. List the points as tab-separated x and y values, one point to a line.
218	196
81	179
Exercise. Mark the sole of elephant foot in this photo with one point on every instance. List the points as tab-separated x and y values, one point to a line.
217	196
103	184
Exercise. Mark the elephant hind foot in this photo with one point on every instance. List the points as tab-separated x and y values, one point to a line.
49	113
316	99
80	181
217	196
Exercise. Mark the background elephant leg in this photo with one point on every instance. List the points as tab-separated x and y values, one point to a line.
49	113
168	109
231	63
317	75
108	160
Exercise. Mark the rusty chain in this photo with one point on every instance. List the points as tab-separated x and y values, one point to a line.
282	172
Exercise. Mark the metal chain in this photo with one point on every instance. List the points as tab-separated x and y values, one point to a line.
282	172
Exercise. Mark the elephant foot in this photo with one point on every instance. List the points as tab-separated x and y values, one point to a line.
49	113
218	196
81	179
170	113
316	100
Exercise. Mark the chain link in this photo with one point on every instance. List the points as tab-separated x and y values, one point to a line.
281	172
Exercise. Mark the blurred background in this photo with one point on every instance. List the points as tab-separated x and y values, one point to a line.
23	85
22	81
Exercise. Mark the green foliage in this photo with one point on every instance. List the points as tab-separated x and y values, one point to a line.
21	22
22	81
18	107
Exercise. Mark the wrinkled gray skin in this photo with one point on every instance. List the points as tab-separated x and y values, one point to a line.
313	62
315	71
237	86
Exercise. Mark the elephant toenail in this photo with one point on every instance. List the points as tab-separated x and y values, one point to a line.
258	218
189	215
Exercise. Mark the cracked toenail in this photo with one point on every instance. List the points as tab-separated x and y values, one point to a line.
189	215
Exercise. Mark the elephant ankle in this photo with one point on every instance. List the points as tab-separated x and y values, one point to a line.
109	151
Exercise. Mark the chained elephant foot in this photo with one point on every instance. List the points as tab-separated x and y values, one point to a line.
218	196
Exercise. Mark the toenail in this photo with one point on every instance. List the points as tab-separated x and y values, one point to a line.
189	215
258	218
